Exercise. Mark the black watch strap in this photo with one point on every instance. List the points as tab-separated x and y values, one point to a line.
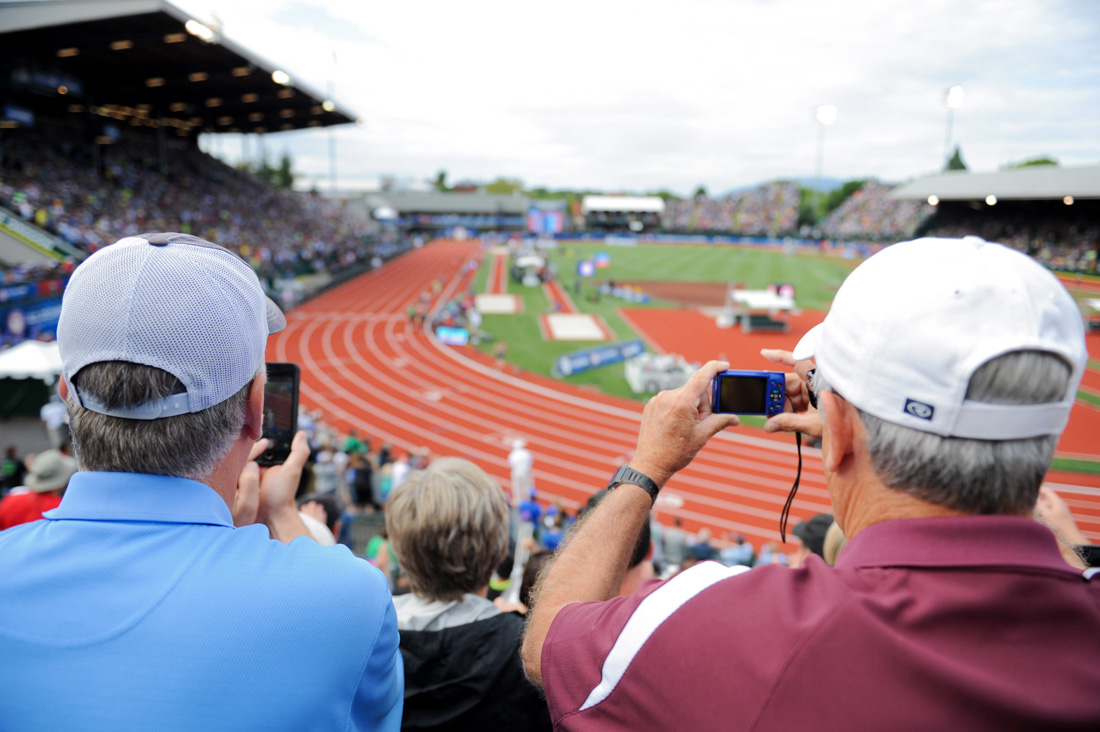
627	474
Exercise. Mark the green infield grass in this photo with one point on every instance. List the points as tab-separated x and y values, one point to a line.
1092	467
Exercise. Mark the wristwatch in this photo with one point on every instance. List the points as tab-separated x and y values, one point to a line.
626	474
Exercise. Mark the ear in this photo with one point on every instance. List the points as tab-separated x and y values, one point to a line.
63	389
838	440
254	419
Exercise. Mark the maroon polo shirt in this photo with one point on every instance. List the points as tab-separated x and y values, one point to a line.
970	623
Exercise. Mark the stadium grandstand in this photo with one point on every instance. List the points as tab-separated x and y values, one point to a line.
101	108
1050	212
870	213
767	210
442	214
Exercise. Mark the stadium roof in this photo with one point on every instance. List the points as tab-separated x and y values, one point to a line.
143	60
451	203
1030	183
627	204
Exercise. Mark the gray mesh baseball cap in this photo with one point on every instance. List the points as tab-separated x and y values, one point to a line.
172	301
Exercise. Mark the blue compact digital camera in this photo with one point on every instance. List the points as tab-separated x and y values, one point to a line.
748	392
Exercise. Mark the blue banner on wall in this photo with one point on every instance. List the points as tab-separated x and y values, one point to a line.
29	321
590	358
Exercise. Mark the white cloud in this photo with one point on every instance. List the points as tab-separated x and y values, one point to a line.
645	94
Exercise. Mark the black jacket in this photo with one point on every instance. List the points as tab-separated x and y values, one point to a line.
470	677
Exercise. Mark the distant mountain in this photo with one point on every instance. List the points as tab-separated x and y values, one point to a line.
823	184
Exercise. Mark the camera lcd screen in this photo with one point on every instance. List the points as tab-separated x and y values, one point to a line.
742	394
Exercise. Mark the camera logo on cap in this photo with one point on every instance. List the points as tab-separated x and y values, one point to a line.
920	410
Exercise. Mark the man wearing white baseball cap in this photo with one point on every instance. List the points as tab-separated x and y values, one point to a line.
945	372
138	603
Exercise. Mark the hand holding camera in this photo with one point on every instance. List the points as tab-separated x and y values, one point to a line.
677	423
799	414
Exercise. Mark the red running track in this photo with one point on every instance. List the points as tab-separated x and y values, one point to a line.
497	283
365	367
555	293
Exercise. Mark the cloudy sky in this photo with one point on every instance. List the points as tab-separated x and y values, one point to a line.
638	95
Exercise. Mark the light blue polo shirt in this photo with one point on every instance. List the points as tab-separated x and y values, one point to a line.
136	605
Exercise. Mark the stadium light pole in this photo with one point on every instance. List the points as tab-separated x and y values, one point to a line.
331	133
953	99
826	115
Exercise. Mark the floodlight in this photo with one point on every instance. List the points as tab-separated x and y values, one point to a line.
954	97
1068	200
991	200
826	114
199	30
280	77
933	200
328	105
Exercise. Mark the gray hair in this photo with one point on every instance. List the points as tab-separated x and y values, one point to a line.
974	476
448	525
184	446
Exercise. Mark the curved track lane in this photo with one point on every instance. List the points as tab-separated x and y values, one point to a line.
365	366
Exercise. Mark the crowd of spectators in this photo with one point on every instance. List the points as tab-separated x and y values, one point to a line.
33	273
870	213
768	210
51	180
1058	239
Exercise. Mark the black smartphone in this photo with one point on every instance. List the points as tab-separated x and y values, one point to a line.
280	411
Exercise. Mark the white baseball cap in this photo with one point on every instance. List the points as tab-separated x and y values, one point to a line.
911	325
174	302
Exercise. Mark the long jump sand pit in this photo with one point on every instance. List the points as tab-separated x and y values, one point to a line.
498	304
573	327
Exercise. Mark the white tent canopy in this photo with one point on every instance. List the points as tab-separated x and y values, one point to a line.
623	204
31	360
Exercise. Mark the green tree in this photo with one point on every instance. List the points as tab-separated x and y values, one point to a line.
504	185
956	161
441	181
700	192
1034	162
280	177
284	175
838	196
664	194
808	213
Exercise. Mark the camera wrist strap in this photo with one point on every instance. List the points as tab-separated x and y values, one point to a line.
786	514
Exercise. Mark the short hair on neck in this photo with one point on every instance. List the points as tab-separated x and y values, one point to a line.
968	475
448	525
183	446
